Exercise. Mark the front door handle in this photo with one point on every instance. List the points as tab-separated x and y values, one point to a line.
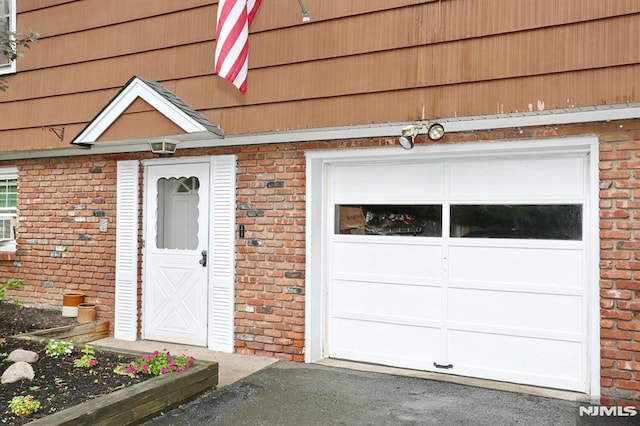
203	261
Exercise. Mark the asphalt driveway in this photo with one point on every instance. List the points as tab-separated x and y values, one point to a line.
301	394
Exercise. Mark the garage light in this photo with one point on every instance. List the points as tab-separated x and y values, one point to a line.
435	132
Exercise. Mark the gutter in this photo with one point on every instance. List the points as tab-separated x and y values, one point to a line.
206	139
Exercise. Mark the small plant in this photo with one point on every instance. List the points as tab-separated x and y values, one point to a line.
24	406
2	341
87	360
56	348
159	363
15	283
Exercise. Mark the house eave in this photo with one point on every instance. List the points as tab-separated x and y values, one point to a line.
453	124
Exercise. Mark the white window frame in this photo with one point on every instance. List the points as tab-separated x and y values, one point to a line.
10	245
10	68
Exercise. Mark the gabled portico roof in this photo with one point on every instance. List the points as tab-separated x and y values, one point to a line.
156	95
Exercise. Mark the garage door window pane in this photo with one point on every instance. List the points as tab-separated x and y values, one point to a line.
541	222
384	219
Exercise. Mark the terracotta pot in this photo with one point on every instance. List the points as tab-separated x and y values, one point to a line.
86	312
70	302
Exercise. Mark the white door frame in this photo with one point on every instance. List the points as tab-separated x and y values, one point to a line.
221	244
318	218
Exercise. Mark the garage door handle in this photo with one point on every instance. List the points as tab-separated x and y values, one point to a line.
436	365
203	261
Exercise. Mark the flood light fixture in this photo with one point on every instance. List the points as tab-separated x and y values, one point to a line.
435	132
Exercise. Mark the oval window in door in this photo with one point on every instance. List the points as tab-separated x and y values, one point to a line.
177	213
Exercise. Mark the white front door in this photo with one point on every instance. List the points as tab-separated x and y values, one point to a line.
176	240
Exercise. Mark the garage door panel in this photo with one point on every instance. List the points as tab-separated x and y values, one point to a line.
498	292
402	346
561	268
543	313
398	260
517	358
396	302
388	182
517	179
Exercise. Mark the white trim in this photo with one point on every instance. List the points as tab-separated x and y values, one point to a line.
317	219
11	67
10	172
203	139
126	272
593	257
137	88
222	249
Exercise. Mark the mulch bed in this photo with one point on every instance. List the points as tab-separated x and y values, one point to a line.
57	384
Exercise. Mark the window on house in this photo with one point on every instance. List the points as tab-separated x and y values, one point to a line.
7	24
533	221
177	213
8	208
390	219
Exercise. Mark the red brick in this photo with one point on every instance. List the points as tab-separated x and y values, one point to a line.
627	384
624	304
629	365
616	374
616	354
612	313
629	346
615	334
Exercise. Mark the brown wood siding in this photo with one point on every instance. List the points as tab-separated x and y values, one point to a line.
355	63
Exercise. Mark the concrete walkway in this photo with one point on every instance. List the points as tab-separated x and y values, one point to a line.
232	367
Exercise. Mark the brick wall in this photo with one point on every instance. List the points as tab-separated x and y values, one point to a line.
61	248
620	262
271	256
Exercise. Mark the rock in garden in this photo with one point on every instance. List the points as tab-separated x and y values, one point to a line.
19	371
23	355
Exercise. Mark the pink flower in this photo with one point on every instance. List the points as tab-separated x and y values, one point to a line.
131	369
155	353
145	367
163	370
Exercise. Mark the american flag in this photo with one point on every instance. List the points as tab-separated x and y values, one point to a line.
232	35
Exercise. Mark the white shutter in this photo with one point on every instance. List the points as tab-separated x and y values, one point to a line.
126	300
222	253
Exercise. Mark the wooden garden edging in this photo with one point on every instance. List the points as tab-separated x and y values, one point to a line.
81	333
133	403
140	401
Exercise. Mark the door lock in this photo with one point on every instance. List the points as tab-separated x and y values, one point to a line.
203	261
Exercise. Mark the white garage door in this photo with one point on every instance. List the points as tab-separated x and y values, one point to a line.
473	267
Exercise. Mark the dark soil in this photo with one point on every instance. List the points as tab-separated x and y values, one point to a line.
57	384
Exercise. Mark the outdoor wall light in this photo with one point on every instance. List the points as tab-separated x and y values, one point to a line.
305	14
435	131
163	147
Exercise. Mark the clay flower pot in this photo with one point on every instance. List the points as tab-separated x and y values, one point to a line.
86	312
70	302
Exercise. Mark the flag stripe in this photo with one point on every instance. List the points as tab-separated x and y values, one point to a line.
232	40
